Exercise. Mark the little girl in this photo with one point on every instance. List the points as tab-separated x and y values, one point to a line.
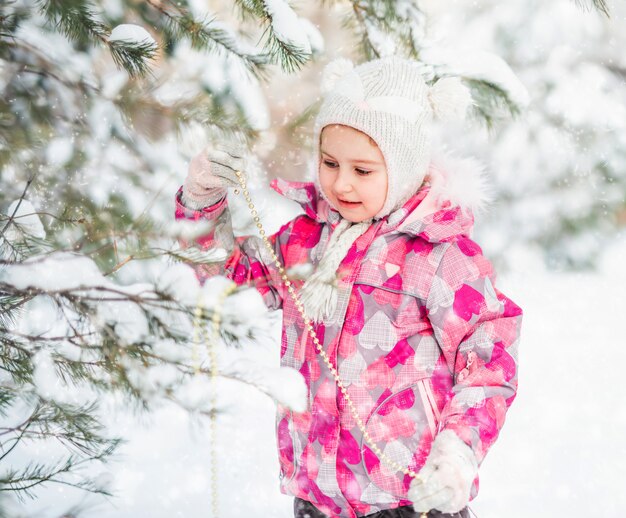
401	298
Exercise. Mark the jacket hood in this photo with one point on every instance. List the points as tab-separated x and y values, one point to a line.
455	189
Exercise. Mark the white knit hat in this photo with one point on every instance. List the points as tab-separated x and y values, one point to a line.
389	100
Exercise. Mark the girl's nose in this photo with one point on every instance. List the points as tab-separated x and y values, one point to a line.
342	181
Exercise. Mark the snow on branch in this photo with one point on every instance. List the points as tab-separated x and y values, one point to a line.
387	28
285	25
132	47
147	320
290	40
211	35
283	384
481	70
70	332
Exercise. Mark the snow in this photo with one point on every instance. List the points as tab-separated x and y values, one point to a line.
478	64
25	222
113	8
187	230
43	320
60	151
76	66
170	350
131	33
248	93
67	271
382	42
213	77
180	282
285	385
126	317
286	25
246	302
49	385
567	143
196	393
313	34
113	83
55	272
150	381
586	99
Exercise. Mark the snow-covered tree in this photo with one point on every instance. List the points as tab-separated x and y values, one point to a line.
559	168
93	106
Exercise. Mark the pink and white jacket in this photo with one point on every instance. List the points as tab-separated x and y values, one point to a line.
421	337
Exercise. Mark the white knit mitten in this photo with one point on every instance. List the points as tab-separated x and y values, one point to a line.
210	172
447	476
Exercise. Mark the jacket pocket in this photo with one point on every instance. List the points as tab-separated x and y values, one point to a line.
287	455
403	310
403	427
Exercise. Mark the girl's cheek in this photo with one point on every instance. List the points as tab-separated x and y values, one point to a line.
323	183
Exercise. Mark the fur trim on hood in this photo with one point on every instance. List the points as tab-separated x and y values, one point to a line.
462	181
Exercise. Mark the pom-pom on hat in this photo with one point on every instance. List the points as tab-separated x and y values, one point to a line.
389	100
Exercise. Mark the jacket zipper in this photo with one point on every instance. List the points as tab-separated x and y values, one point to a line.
430	405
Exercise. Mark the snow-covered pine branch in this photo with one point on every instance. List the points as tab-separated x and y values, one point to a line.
70	333
387	28
283	384
210	34
496	91
132	47
289	40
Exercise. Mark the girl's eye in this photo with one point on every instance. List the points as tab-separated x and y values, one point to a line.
362	172
328	163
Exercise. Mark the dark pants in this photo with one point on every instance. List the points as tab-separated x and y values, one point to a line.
304	509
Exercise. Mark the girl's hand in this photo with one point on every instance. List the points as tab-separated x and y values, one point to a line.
211	171
447	476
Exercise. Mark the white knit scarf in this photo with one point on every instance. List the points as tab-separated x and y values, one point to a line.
319	293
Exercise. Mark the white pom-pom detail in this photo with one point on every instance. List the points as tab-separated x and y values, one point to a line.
334	71
449	99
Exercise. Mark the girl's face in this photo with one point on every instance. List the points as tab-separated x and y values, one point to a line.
352	172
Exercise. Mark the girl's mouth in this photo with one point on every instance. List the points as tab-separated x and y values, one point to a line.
348	203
